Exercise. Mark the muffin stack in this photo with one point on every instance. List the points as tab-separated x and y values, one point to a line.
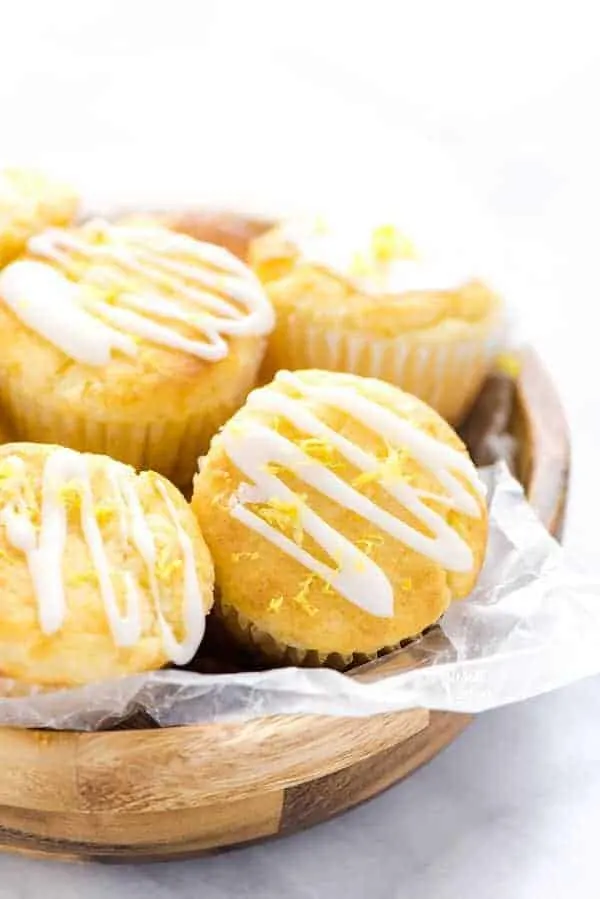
341	514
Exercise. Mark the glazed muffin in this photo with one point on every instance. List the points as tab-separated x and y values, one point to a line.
103	572
343	516
364	300
30	202
130	341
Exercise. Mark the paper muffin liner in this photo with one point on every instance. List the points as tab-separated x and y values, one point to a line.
446	373
169	446
248	634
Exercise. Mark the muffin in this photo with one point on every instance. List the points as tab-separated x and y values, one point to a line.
343	516
103	572
30	202
363	300
130	341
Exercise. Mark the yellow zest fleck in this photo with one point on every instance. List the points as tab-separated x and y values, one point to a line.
166	566
387	243
320	449
509	364
83	577
104	513
390	469
6	469
367	477
111	296
70	495
369	543
275	603
284	515
301	598
273	468
239	557
406	583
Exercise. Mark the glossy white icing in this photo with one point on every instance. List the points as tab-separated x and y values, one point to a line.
44	549
353	574
338	246
182	294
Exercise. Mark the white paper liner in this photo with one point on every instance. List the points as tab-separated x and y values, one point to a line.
532	625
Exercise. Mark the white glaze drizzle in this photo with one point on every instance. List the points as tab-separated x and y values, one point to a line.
356	576
227	297
44	551
334	246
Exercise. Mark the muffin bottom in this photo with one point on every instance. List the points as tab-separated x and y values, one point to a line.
246	633
168	446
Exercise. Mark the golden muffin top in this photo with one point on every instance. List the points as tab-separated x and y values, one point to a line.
91	551
356	496
373	275
106	291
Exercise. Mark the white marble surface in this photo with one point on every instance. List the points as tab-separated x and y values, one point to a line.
278	104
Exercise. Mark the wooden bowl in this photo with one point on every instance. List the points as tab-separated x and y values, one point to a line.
163	794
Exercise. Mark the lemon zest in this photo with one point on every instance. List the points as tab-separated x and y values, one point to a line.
104	513
319	449
275	603
301	598
70	495
83	577
166	566
286	515
387	244
238	557
368	544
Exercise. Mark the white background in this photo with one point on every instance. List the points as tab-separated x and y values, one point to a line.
483	115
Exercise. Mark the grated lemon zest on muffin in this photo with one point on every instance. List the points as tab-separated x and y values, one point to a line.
239	557
7	470
104	513
273	468
70	495
319	449
387	244
389	469
285	515
81	578
367	477
368	544
166	566
509	364
301	598
275	603
406	583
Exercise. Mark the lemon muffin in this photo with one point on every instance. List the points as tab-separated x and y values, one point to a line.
103	572
30	202
363	300
131	341
343	516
